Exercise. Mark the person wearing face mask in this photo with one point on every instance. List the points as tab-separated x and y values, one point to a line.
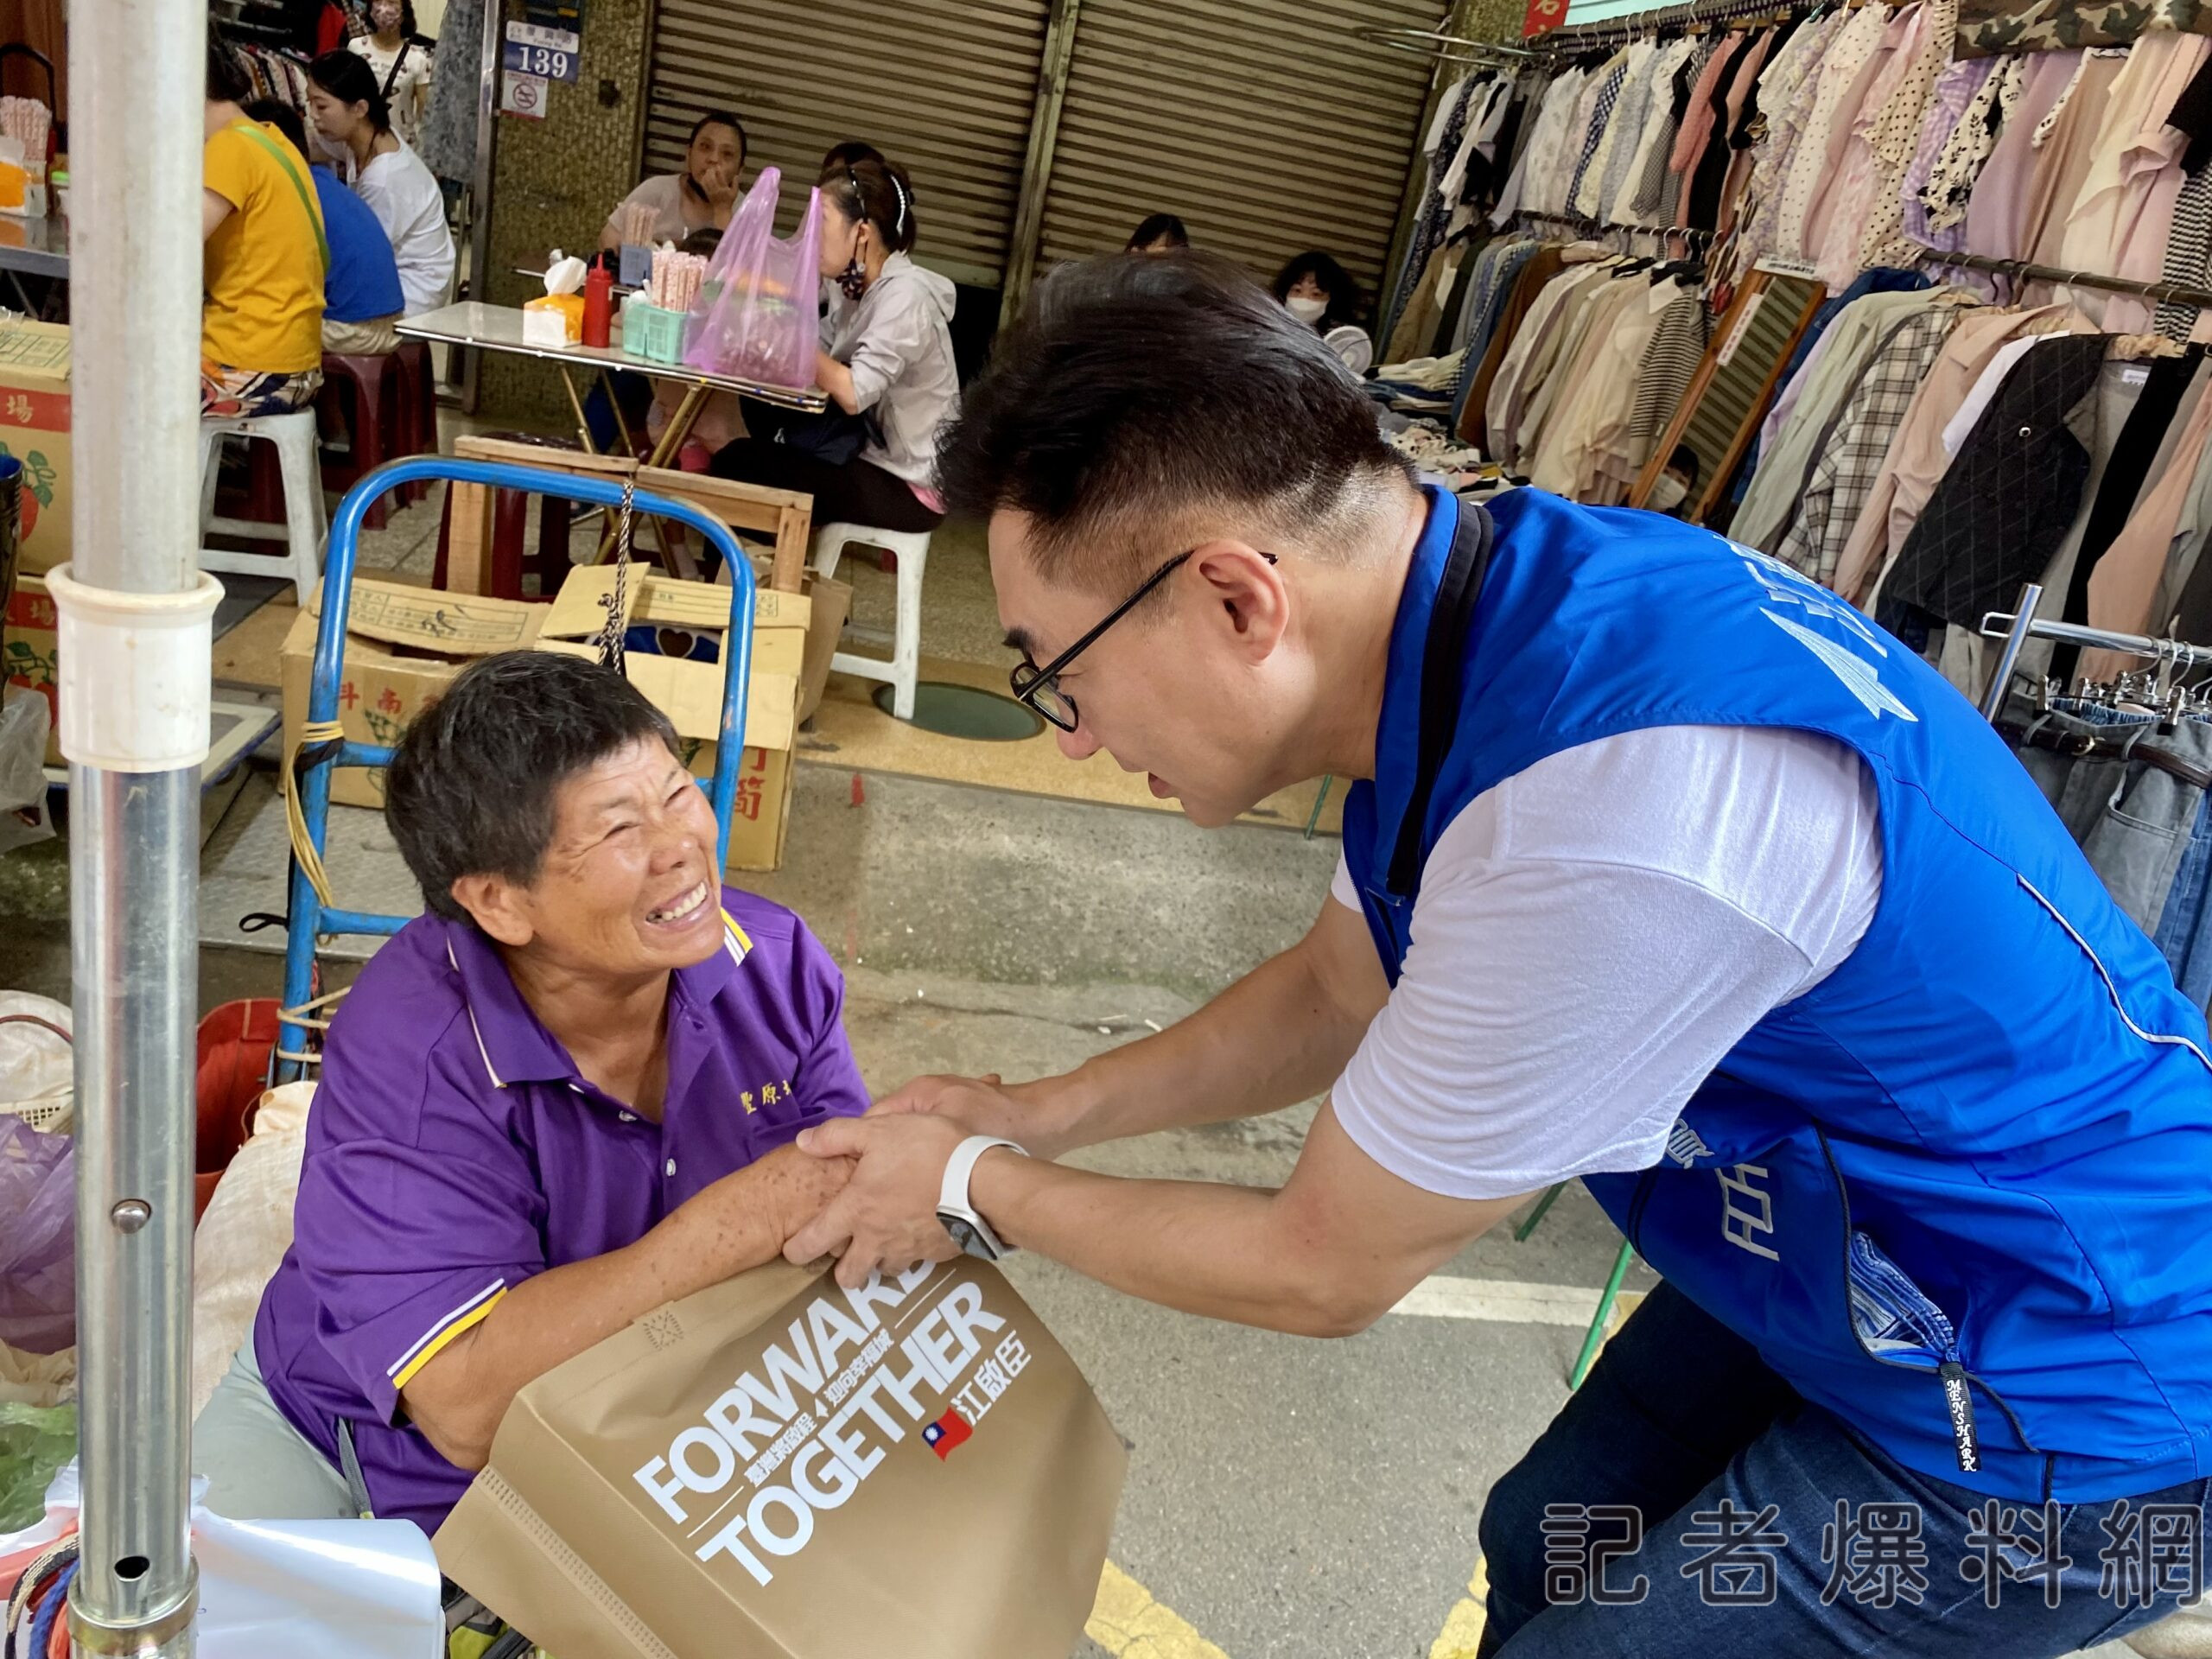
401	63
700	197
1673	486
885	360
1317	291
350	113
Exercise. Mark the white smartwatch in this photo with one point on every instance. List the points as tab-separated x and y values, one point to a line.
954	1213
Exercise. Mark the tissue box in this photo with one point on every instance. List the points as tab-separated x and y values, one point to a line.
553	320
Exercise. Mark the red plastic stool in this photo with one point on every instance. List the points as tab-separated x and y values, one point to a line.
373	418
419	409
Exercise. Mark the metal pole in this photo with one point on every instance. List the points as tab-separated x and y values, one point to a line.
479	188
2023	625
134	865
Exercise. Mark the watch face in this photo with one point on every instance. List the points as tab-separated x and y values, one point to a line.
962	1234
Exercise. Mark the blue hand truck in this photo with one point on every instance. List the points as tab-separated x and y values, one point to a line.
309	916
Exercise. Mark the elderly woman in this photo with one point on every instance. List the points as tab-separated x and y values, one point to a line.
564	1097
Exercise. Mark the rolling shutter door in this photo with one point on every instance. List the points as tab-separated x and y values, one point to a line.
1263	122
945	87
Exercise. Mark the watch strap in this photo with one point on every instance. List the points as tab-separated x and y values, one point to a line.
952	1194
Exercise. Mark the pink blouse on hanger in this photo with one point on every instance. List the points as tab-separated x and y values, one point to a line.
1997	211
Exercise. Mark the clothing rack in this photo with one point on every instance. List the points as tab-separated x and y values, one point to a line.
1436	44
2024	624
1619	31
2177	293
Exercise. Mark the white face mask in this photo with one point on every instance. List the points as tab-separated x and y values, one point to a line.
1305	310
1668	493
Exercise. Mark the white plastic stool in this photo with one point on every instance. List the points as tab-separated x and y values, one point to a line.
904	666
304	529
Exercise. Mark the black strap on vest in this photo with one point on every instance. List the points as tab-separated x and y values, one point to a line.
1442	667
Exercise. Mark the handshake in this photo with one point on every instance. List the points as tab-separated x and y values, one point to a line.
865	1190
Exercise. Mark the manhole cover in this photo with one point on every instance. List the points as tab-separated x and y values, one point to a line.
962	711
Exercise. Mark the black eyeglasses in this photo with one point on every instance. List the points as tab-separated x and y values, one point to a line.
1038	688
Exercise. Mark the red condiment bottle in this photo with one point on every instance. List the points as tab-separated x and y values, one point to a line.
599	305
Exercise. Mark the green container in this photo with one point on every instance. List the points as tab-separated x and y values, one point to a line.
652	332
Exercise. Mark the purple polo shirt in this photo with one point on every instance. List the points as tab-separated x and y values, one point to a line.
454	1150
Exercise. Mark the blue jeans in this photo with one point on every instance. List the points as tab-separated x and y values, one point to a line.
1680	1420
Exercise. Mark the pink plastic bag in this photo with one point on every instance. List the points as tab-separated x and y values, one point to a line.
757	314
38	1245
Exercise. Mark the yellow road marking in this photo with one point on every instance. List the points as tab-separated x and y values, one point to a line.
1463	1625
1128	1623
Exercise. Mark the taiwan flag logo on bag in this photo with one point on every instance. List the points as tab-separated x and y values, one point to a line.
949	1430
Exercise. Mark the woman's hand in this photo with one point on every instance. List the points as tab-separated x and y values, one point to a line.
718	184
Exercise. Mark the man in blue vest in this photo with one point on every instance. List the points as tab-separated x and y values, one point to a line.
1665	869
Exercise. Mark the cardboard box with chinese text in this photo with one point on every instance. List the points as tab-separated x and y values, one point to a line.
30	655
684	624
404	645
35	429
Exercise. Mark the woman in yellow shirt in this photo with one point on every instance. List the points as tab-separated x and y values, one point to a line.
260	323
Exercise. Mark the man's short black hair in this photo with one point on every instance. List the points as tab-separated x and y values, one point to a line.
271	113
1158	227
1135	395
471	790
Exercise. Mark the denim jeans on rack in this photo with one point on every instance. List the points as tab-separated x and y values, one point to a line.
2133	819
2184	934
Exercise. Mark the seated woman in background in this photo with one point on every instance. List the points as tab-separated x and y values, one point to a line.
350	112
361	298
563	1097
701	197
885	361
399	58
1158	233
263	255
1320	291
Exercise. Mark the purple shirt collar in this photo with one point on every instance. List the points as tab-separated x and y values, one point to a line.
516	1046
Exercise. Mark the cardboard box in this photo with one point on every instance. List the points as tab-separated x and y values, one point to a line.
29	652
35	429
403	647
689	615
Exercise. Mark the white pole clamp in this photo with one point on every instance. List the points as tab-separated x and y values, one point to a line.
136	674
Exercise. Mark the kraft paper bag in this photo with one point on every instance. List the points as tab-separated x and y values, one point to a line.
779	1467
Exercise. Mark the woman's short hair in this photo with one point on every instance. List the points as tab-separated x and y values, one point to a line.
1346	300
349	79
473	783
879	191
1158	227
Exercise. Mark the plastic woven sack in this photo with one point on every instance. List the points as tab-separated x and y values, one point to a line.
35	1442
756	316
38	1251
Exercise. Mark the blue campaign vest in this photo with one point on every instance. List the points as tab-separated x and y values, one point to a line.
1958	1193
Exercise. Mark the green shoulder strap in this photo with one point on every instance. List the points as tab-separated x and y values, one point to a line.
306	196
